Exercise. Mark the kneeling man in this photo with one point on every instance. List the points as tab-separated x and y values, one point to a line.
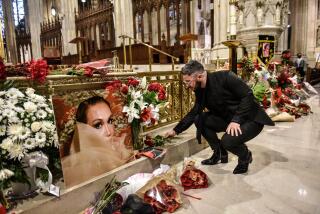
230	107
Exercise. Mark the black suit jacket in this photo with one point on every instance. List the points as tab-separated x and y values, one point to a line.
228	97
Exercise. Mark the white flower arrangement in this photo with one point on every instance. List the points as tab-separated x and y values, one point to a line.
26	125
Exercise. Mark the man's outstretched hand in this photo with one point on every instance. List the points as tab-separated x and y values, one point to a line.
234	129
170	133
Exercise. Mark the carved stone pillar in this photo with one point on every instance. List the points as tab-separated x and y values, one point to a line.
10	31
2	54
123	19
68	26
233	19
35	17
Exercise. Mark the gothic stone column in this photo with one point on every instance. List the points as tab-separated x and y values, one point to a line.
10	31
35	17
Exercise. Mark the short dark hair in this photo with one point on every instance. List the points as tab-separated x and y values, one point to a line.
81	115
192	67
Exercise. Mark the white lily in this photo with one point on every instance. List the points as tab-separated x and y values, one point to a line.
143	83
131	111
135	95
140	103
154	112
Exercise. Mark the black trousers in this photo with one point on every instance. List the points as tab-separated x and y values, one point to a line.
301	72
211	124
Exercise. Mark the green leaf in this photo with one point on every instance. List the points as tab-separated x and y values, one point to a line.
150	97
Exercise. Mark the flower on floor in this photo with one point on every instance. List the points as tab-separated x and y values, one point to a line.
163	197
193	178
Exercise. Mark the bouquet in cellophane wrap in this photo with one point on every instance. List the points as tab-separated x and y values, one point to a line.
193	178
162	193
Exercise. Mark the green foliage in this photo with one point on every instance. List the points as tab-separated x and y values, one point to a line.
5	85
160	140
259	91
150	97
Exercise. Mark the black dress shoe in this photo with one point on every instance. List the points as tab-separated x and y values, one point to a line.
243	165
216	157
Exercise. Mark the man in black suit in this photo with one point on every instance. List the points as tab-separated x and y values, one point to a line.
230	107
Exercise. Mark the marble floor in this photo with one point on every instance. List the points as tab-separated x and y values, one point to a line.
283	178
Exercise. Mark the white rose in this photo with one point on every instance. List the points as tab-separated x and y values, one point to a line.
36	126
30	107
30	91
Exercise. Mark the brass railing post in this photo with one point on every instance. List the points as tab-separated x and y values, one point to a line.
172	61
181	96
124	52
130	53
150	59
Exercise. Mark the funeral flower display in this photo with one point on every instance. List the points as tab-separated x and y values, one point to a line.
142	103
26	126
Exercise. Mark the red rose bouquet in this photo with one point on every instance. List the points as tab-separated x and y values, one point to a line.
163	197
193	178
38	70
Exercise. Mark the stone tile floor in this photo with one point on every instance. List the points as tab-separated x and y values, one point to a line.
283	178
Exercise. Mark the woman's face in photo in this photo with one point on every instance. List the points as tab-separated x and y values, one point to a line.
99	117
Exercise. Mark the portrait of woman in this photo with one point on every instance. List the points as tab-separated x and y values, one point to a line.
94	149
266	49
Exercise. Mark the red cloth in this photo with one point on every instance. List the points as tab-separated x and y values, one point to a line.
95	64
2	210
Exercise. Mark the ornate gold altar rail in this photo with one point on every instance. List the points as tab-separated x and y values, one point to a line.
180	99
150	48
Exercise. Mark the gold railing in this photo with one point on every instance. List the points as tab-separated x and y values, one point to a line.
180	100
150	48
